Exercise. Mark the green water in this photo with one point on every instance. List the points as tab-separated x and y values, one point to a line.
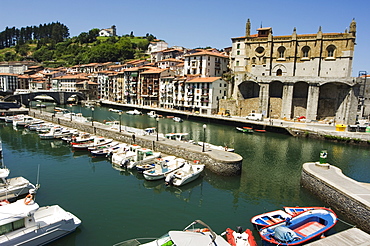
116	205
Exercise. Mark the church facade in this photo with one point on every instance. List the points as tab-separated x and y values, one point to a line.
294	75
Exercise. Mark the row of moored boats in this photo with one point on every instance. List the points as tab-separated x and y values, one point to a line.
290	226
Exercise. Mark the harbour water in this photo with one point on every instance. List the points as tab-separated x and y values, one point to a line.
116	204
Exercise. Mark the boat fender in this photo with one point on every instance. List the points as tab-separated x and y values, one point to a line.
28	199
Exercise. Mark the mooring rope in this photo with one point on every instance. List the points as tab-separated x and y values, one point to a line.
347	223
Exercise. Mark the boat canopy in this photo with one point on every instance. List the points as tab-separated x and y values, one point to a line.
284	234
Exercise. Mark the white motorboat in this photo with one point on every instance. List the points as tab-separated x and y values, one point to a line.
216	147
122	154
115	110
107	152
189	236
56	133
160	171
133	112
25	223
26	120
152	164
187	173
142	155
82	137
13	188
177	119
177	136
152	114
98	141
104	146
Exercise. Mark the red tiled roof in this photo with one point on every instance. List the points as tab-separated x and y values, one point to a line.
203	80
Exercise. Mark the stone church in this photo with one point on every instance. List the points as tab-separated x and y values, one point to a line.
294	75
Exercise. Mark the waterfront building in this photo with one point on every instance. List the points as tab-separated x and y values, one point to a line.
15	67
130	85
68	82
294	75
206	63
202	94
8	82
149	85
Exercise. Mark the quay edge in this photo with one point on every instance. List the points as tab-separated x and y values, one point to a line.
319	131
350	197
220	162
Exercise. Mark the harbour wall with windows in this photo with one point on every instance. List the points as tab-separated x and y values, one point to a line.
350	197
220	162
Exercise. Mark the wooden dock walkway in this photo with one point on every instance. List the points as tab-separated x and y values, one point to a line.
350	237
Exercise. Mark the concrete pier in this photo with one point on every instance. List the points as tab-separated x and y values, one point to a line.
347	196
218	161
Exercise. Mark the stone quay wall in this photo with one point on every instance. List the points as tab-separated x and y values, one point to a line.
349	197
220	162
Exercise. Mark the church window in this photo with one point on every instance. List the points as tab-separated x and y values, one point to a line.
260	50
279	72
330	50
305	51
254	60
281	51
238	46
238	52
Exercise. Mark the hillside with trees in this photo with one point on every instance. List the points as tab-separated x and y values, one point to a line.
51	45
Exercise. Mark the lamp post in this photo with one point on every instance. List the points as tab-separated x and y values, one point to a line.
157	119
29	106
92	116
120	114
54	109
204	136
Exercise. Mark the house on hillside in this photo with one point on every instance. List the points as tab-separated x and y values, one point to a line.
108	32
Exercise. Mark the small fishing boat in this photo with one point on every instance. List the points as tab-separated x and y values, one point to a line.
119	157
190	235
216	147
160	171
304	227
278	216
245	129
150	165
106	152
269	218
115	110
297	210
98	141
240	237
104	146
185	174
260	130
177	119
152	114
133	112
13	188
177	136
142	155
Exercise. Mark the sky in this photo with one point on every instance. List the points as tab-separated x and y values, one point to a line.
198	23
